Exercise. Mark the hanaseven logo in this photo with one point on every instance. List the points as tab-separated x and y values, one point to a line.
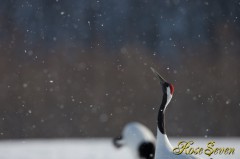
186	147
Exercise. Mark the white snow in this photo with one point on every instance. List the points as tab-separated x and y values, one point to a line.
94	148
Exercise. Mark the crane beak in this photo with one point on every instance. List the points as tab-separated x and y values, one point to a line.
162	80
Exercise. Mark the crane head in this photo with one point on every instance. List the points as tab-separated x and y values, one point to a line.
166	87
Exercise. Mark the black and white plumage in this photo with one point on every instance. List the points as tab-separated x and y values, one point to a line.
164	149
139	139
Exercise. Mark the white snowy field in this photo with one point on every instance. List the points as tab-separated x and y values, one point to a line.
94	148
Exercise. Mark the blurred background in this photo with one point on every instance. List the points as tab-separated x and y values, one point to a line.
81	68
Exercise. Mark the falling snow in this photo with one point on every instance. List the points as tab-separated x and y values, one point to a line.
69	68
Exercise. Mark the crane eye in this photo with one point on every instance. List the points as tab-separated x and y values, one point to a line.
171	89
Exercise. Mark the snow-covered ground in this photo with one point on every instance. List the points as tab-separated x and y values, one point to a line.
94	148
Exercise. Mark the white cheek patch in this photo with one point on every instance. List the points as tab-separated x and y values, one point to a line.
168	91
169	98
169	95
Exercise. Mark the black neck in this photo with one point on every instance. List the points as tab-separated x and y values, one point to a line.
161	112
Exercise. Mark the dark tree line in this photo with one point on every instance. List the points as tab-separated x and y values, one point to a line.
81	68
